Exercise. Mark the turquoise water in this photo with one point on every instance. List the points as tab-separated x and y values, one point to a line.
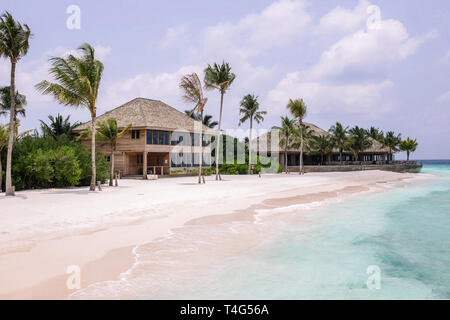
404	233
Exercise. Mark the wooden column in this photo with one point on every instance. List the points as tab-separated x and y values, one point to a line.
144	165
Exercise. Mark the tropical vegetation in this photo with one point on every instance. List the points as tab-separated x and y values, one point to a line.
59	126
249	110
193	93
298	109
14	44
219	77
109	132
77	85
409	145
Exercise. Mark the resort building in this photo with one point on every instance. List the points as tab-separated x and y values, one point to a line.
376	154
161	139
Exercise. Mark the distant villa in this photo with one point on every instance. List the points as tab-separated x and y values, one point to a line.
375	155
161	139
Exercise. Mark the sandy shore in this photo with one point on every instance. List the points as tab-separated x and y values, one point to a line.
43	232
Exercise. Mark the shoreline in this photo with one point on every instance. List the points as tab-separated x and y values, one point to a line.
120	259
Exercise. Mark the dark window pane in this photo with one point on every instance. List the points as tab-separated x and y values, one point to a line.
155	137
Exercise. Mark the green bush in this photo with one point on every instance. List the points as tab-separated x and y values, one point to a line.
45	162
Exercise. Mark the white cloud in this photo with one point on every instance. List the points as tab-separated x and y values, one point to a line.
369	51
323	96
344	20
446	57
351	76
174	35
444	98
163	86
278	24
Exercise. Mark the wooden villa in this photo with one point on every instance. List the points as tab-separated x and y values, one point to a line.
161	139
376	154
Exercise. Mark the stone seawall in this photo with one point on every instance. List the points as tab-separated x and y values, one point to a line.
395	167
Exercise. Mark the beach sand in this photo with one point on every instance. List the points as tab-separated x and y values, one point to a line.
43	232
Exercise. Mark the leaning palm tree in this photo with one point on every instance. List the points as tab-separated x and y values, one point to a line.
58	126
14	44
340	138
108	131
207	119
409	145
286	131
360	141
392	141
77	84
298	109
5	102
193	93
220	78
250	111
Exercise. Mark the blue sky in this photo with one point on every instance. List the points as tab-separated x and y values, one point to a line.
349	66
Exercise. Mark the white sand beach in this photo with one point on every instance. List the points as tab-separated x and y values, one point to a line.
42	232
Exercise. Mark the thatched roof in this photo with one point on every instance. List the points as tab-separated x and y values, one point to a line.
264	141
147	113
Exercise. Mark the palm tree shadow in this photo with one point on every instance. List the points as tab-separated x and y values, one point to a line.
21	196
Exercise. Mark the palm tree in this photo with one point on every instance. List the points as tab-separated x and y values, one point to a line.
220	78
58	126
207	119
5	102
249	111
14	44
108	131
340	138
360	141
4	133
321	145
77	84
392	141
298	109
4	138
375	134
286	131
193	93
409	145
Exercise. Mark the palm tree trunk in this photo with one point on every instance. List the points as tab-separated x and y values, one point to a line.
94	175
218	138
1	173
301	147
111	167
249	147
407	157
201	149
12	125
340	156
285	154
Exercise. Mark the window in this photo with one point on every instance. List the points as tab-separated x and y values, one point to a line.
158	137
181	138
135	134
140	159
180	159
108	158
206	140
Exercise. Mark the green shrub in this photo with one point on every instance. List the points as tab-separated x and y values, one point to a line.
45	162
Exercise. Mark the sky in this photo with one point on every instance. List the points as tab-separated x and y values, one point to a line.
380	63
